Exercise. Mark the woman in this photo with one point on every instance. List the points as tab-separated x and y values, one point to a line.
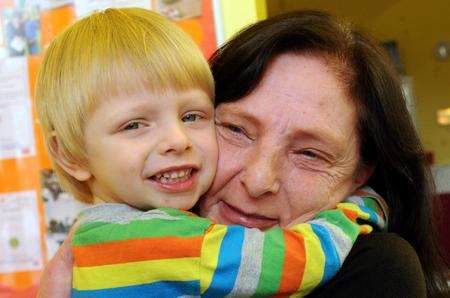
387	140
308	110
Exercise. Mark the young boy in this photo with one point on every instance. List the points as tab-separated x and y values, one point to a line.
125	102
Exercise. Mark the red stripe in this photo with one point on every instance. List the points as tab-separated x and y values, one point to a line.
294	261
352	215
134	250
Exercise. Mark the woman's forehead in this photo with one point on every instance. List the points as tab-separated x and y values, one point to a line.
297	95
296	85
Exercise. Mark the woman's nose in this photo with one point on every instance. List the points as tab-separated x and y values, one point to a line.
174	140
260	175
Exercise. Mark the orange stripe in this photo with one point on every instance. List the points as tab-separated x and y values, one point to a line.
294	261
352	215
134	250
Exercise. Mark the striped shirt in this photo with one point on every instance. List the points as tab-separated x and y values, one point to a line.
120	251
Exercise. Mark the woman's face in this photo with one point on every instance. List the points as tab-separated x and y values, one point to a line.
287	150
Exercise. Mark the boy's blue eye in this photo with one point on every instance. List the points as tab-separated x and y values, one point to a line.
132	125
191	117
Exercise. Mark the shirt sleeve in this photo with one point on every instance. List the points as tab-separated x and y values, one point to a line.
238	261
120	251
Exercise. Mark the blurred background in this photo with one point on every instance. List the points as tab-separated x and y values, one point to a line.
35	214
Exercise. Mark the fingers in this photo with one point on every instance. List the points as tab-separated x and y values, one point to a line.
56	280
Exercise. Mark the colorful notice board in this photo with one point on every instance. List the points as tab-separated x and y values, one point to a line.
33	208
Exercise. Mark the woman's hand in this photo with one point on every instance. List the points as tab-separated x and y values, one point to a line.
56	281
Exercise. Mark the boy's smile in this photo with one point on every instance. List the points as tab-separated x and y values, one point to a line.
151	149
175	179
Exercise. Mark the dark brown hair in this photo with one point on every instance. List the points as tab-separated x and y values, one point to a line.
388	139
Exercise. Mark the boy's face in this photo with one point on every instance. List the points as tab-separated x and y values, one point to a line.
152	149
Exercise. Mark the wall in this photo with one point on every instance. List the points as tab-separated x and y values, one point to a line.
238	14
417	26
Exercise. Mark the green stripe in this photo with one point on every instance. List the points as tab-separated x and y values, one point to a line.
175	212
371	203
338	218
272	263
98	232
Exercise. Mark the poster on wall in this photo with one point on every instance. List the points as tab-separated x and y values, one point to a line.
178	9
85	7
20	243
50	4
16	126
61	210
21	29
3	47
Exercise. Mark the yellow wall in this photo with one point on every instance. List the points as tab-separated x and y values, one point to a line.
417	26
237	14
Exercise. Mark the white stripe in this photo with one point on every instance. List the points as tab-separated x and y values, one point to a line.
121	214
251	262
341	241
355	200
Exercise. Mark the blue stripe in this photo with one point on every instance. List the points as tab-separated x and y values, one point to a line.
156	289
374	218
228	264
332	261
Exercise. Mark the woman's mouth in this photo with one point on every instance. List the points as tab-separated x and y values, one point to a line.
233	215
176	180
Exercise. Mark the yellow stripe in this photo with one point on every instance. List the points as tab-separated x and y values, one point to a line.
355	208
365	229
135	273
315	259
210	255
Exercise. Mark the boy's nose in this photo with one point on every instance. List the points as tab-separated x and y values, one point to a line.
175	141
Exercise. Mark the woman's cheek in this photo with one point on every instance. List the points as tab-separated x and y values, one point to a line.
230	162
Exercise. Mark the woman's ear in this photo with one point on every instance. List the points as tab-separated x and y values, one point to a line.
76	170
363	173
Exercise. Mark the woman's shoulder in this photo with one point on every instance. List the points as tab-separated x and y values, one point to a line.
385	246
379	265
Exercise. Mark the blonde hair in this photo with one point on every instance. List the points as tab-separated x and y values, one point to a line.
116	50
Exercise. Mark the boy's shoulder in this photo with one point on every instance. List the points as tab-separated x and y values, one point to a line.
124	214
119	222
117	213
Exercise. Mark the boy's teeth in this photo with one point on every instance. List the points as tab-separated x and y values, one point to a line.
174	176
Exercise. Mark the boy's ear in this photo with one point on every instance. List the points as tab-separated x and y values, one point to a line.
75	170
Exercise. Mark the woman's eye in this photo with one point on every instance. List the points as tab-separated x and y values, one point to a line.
132	125
191	117
308	153
234	129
